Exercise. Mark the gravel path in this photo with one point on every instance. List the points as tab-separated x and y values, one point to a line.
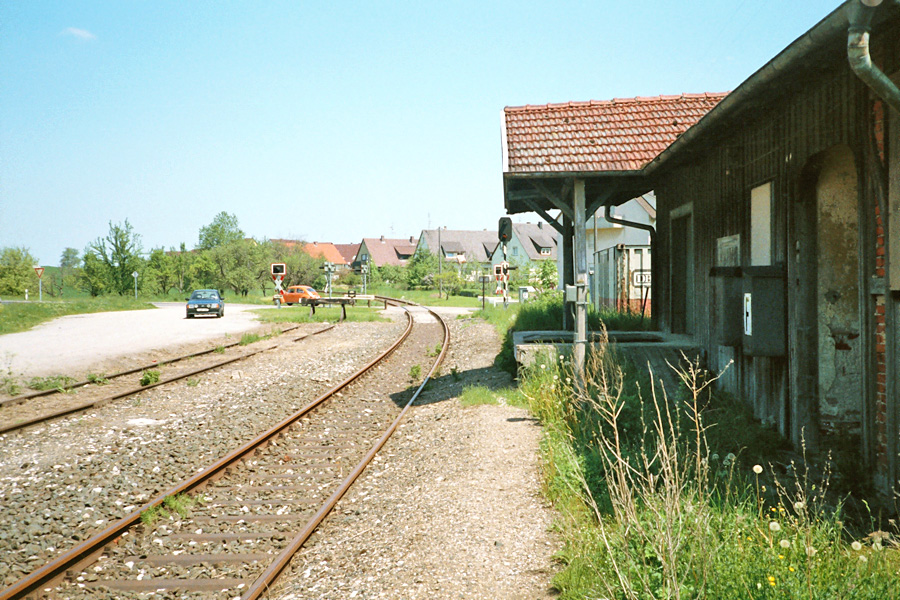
450	509
77	344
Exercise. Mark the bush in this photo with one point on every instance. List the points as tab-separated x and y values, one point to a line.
650	509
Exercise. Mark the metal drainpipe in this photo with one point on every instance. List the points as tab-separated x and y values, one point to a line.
860	14
608	216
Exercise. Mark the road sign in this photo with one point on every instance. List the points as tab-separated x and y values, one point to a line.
39	271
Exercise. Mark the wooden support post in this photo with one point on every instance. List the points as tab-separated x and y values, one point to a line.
343	311
580	276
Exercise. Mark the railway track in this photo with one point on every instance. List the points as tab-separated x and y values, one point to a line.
38	407
245	515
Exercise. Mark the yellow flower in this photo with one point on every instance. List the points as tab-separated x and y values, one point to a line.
771	580
781	557
791	569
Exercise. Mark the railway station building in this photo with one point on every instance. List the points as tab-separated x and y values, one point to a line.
777	239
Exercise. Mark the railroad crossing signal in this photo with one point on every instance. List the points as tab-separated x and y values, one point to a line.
279	270
505	229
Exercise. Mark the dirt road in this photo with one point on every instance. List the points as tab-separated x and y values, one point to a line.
74	344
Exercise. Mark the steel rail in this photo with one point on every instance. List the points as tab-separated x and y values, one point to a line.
262	584
84	553
132	391
37	394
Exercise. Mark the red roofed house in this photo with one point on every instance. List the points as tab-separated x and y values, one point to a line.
383	251
348	252
327	251
579	157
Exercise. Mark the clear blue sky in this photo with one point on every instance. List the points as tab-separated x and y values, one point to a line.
328	120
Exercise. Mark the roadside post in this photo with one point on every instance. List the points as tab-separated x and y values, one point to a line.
484	279
278	270
329	269
364	269
40	274
135	275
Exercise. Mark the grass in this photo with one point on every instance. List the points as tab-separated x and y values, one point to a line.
300	314
23	316
249	338
97	378
546	314
426	297
415	372
53	382
651	504
477	395
179	504
149	377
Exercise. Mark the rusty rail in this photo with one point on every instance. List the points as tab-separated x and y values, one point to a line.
130	392
85	552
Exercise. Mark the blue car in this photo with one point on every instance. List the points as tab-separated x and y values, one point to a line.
205	302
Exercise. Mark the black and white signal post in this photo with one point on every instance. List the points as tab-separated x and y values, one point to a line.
279	270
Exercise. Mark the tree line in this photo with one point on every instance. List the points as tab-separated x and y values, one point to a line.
223	259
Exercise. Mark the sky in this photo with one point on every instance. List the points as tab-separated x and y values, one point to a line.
325	121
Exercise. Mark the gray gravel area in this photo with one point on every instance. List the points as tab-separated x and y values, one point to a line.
61	482
451	508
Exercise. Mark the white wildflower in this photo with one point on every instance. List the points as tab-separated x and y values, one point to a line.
784	543
774	526
757	469
856	546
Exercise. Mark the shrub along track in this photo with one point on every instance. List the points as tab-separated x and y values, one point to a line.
259	503
41	406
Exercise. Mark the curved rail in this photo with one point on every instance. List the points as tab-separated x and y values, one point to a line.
85	552
130	392
264	582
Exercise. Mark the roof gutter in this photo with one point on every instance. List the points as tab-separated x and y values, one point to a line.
860	14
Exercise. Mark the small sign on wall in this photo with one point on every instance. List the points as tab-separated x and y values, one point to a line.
748	314
640	278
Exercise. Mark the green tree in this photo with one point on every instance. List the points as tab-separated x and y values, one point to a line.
450	282
93	277
547	276
421	269
69	263
17	271
223	230
120	252
161	271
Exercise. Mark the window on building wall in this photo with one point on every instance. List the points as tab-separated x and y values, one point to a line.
515	251
761	225
545	251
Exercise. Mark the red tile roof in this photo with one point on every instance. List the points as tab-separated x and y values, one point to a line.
609	135
324	250
348	251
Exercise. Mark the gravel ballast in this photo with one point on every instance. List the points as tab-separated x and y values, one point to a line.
451	508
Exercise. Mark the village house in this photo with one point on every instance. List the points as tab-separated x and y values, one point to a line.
383	251
468	251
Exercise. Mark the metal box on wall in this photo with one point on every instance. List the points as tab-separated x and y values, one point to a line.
729	290
764	311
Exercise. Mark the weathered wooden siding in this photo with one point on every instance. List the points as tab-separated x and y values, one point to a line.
774	143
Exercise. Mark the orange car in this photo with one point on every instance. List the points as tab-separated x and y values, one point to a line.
295	293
